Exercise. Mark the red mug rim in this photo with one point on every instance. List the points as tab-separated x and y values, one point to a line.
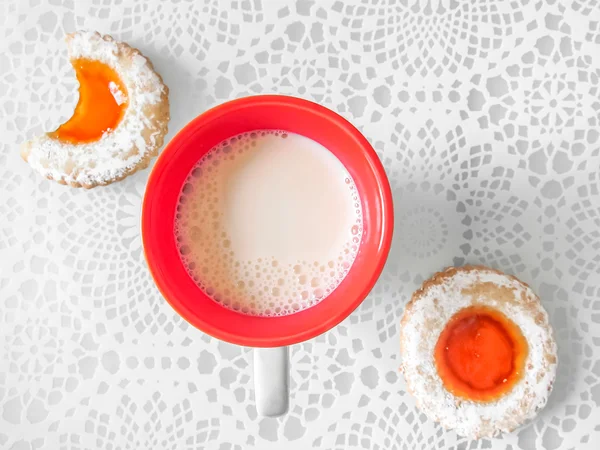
199	136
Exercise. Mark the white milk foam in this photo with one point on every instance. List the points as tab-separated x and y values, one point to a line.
268	223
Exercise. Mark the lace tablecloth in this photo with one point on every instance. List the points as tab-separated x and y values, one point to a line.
486	115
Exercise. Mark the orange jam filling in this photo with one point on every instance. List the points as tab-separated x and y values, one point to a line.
101	106
480	354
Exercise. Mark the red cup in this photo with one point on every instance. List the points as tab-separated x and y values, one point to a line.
196	139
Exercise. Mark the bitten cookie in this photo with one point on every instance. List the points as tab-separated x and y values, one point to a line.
119	122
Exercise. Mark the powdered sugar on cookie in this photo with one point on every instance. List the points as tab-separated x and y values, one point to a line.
425	317
120	151
119	96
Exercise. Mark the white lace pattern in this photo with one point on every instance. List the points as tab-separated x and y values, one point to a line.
486	115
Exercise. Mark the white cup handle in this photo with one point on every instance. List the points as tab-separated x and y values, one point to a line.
271	375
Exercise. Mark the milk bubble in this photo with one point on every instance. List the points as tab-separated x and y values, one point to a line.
223	198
